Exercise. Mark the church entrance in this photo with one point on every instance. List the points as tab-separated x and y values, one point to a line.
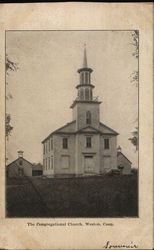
88	164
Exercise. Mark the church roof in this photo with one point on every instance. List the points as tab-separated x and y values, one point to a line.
70	128
120	153
106	130
18	160
37	166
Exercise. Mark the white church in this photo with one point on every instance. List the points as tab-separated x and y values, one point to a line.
84	146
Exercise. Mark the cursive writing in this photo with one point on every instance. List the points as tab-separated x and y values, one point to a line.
108	245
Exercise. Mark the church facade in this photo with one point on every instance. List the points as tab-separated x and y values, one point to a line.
84	146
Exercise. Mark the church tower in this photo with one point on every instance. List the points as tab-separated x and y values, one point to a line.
85	106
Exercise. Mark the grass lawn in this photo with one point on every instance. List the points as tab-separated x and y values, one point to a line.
101	196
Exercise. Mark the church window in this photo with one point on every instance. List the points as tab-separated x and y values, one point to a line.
88	117
20	163
106	144
89	78
90	94
51	162
44	148
87	94
65	143
88	142
51	143
81	94
81	78
86	77
46	164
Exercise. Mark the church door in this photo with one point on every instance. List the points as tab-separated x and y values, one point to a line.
89	164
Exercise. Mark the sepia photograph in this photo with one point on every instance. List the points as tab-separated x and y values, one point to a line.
72	123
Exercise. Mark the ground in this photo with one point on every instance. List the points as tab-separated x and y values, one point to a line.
101	196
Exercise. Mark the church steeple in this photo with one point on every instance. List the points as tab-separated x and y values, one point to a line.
85	88
85	57
85	106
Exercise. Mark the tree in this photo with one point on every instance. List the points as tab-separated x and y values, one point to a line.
135	42
9	66
135	79
8	127
135	138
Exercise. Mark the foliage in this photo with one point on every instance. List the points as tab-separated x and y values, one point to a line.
135	138
135	77
8	127
135	42
10	66
134	171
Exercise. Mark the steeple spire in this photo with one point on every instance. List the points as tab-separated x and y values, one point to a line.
85	57
85	88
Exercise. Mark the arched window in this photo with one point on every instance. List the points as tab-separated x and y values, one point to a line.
88	117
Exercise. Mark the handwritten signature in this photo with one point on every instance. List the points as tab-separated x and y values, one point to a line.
108	245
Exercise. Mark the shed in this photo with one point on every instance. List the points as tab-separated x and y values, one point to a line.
37	169
123	164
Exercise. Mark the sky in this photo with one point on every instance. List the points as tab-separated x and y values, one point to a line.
43	88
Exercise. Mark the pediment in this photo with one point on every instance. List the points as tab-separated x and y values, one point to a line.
88	129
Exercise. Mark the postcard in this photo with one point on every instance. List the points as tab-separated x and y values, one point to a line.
76	90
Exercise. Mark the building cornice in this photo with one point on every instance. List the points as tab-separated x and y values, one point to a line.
85	69
85	85
84	101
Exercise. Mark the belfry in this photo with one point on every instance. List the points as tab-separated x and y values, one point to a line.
85	88
85	103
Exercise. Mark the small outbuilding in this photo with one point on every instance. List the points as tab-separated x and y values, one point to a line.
37	169
123	164
19	167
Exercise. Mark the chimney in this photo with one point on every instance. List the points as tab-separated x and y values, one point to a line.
20	153
119	149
